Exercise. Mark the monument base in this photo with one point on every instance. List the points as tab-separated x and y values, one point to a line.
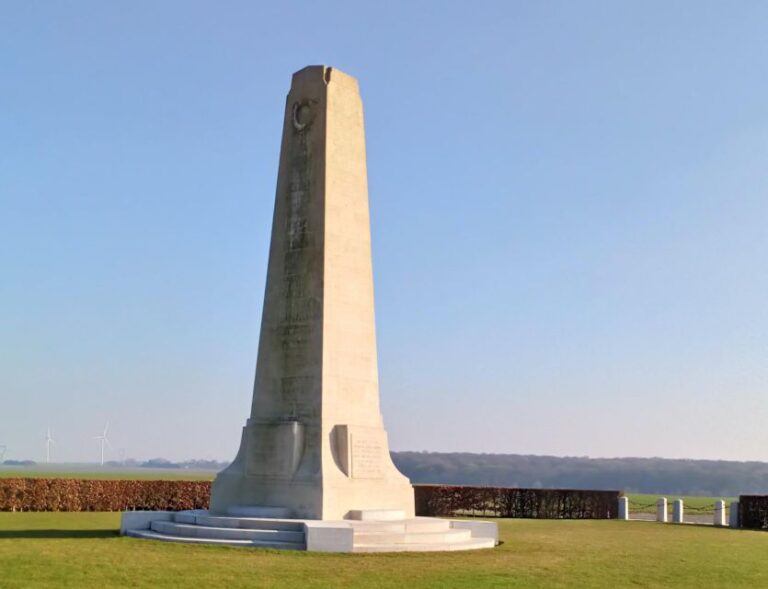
416	534
355	473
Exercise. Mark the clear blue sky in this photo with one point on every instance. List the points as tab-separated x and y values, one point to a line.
569	206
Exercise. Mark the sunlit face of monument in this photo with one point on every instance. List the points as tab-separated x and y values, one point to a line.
315	445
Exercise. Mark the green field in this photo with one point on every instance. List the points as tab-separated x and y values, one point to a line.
83	550
645	503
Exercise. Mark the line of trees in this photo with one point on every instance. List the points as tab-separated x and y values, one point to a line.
634	475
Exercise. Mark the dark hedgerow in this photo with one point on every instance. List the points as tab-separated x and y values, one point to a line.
444	500
753	512
33	494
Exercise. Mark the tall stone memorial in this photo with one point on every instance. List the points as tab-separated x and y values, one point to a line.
314	445
313	471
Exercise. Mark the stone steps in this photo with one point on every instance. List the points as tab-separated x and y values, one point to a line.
377	515
258	511
446	537
216	521
151	535
227	533
470	544
362	535
419	524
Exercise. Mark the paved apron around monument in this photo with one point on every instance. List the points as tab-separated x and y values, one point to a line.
420	534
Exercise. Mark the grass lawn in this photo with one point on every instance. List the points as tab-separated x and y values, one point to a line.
83	550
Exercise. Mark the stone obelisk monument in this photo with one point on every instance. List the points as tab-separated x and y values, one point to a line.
314	446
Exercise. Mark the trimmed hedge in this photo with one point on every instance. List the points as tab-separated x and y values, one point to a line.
101	495
444	500
32	494
753	512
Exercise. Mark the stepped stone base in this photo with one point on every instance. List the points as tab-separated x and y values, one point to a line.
362	534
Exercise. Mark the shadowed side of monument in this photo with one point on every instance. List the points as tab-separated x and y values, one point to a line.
315	445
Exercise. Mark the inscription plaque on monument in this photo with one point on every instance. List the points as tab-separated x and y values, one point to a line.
366	457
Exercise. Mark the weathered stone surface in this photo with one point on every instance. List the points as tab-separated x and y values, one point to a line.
315	443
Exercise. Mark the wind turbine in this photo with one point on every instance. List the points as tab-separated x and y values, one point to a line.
3	448
104	440
48	443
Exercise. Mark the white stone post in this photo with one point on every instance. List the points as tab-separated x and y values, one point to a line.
677	511
661	510
733	516
624	508
719	516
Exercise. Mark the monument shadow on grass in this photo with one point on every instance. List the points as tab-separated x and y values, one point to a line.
54	534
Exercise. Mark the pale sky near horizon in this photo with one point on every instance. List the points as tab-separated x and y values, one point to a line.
569	205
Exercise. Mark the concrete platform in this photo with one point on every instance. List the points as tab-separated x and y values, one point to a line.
418	534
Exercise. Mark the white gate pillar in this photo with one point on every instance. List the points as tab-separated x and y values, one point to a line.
733	516
677	511
719	515
661	510
624	508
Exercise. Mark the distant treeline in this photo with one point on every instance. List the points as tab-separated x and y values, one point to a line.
633	475
188	464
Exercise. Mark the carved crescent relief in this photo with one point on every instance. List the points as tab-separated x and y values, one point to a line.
302	115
